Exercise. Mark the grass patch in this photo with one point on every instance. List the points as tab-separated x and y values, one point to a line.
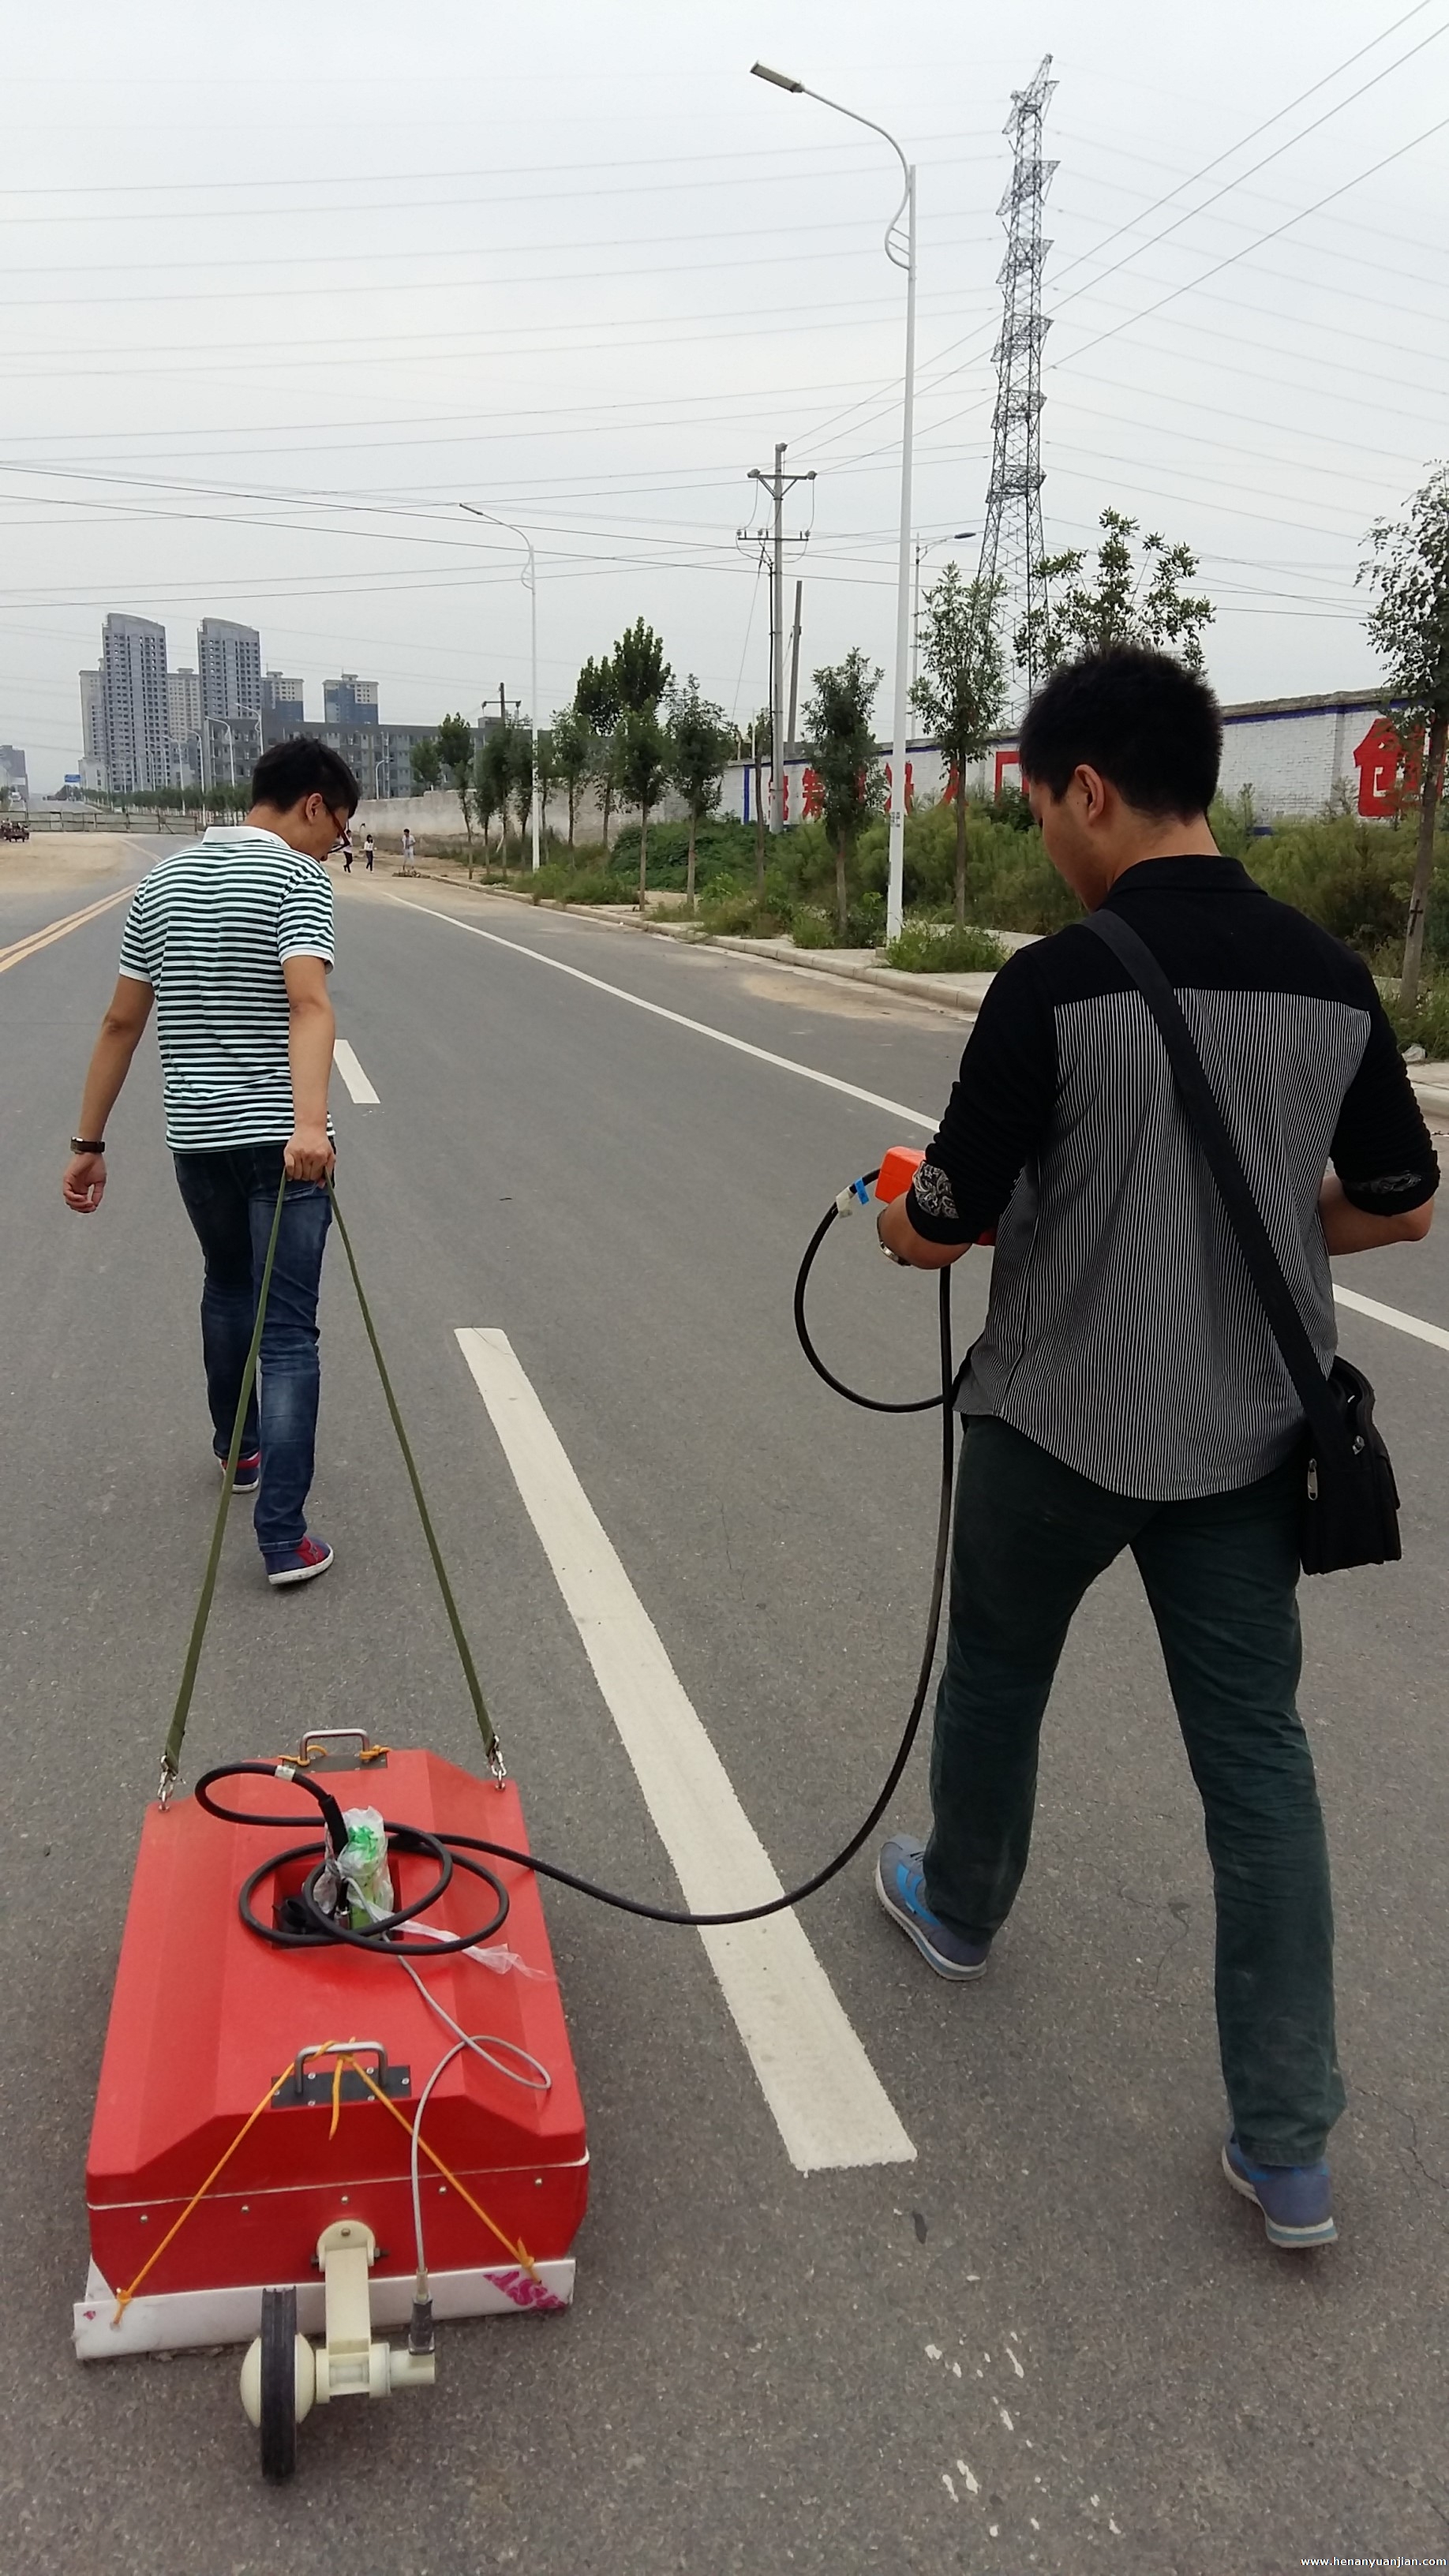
944	948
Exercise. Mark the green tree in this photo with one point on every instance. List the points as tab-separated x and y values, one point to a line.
596	695
425	762
641	674
520	778
642	774
608	751
841	743
1123	600
494	776
699	744
455	757
961	693
754	745
1408	568
572	746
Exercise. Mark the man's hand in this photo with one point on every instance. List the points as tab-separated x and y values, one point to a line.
83	1183
307	1154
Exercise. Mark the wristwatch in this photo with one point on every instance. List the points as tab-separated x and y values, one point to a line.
87	1144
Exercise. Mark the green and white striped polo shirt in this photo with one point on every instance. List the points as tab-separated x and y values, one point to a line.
208	929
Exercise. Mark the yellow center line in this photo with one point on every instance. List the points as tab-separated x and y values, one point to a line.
53	930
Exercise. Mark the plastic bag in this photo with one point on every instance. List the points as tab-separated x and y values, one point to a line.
362	1867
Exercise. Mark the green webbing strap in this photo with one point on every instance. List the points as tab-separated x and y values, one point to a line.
486	1726
171	1757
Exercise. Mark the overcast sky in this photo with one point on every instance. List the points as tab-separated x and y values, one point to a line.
286	284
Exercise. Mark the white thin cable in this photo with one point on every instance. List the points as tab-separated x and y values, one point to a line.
478	2042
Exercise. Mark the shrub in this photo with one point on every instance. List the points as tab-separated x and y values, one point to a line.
576	885
1428	1026
929	948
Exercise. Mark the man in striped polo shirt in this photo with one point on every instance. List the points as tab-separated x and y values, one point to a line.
233	940
1126	1391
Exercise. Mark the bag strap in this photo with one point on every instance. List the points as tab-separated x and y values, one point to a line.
1198	1099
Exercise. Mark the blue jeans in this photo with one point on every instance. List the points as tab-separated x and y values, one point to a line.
231	1198
1221	1579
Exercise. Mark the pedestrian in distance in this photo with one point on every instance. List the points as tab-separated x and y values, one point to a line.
367	852
1127	1390
232	939
345	844
408	848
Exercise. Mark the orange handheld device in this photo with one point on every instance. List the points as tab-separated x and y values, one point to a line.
898	1169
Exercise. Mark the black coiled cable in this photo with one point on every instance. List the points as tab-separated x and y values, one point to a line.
312	1928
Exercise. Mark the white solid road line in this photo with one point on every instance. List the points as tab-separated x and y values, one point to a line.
359	1088
1393	1315
701	1028
828	2103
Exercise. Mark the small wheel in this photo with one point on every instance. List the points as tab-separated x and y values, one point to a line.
279	2384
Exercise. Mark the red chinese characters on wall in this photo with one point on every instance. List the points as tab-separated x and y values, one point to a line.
812	795
910	785
1388	777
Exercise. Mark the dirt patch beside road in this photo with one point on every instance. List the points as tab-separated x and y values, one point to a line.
62	860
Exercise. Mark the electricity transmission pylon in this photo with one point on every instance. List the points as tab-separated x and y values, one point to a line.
1011	543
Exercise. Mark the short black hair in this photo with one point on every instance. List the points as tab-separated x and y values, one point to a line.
303	767
1148	723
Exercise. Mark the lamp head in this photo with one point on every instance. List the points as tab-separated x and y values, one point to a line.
780	80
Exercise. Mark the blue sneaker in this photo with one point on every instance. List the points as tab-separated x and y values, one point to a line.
248	1471
1296	2200
299	1564
900	1884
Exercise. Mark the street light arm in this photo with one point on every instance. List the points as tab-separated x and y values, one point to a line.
798	89
513	528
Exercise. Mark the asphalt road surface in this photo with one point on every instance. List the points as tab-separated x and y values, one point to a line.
1012	2319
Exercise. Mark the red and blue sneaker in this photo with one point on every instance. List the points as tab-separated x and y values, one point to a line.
1296	2200
248	1471
299	1564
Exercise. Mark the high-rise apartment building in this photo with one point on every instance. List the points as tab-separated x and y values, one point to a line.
282	712
128	713
14	784
183	701
349	701
229	667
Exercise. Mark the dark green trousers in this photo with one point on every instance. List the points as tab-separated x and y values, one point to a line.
1221	1577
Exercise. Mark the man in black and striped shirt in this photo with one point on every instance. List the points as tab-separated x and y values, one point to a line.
1126	1391
232	939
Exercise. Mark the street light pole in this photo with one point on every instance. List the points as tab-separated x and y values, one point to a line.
531	581
900	250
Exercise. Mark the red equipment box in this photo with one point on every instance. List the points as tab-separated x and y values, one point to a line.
206	2016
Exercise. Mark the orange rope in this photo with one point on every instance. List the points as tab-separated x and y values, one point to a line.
126	2296
517	2251
337	2047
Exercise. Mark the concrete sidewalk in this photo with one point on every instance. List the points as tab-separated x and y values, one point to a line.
959	994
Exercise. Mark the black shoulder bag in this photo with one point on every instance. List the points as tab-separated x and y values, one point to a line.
1350	1502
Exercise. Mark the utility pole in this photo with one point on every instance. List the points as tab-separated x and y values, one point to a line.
777	485
791	747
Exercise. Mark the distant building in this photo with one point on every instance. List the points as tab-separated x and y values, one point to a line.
349	701
14	785
231	746
128	712
229	666
282	710
183	702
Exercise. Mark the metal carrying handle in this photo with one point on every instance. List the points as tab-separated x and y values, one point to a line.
339	2048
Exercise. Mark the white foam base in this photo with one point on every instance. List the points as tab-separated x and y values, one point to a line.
187	2320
